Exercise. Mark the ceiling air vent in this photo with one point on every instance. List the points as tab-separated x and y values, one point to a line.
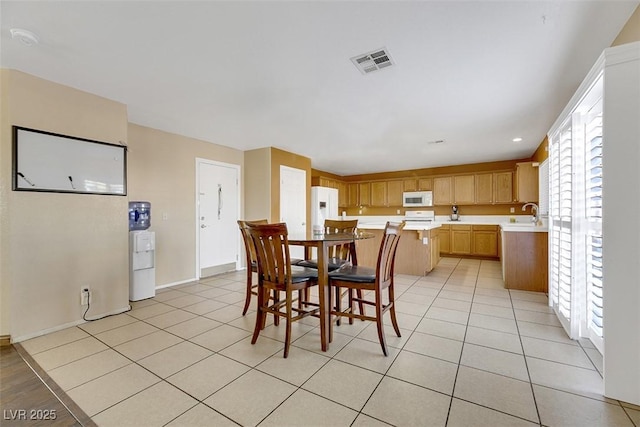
373	61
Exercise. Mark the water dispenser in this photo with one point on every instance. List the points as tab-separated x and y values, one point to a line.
139	215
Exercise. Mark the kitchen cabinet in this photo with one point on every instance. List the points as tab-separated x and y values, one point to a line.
503	187
493	188
425	184
378	195
394	193
364	194
466	239
484	240
442	190
484	189
525	260
353	199
410	184
418	184
444	235
527	182
343	196
461	239
464	189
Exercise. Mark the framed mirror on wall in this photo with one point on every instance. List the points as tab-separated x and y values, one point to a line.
50	162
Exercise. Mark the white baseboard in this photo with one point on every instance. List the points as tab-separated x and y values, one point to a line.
64	326
181	282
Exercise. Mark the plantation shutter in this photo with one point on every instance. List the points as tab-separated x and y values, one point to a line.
593	209
560	223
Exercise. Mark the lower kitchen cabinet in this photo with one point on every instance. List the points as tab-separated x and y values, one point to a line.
485	240
445	239
461	239
469	240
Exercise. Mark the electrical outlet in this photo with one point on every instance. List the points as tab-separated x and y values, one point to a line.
85	296
512	210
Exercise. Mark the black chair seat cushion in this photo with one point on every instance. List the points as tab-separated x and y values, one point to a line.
334	263
354	273
302	274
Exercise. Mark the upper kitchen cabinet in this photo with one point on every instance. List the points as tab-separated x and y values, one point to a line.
394	193
493	188
484	188
526	182
442	191
464	189
353	200
364	194
425	184
343	195
418	184
503	187
378	195
410	185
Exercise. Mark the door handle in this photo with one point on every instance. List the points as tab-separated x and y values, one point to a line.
219	199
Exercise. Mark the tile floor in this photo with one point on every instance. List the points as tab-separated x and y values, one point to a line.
471	354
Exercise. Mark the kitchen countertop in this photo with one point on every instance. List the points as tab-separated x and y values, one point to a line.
411	226
524	227
523	223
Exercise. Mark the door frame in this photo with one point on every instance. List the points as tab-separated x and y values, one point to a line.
238	169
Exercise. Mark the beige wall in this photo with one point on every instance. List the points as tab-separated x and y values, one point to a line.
631	30
262	177
162	170
54	244
257	178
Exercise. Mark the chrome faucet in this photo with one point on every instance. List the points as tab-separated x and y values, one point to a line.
534	211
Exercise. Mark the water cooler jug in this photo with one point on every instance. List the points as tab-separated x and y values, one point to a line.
142	252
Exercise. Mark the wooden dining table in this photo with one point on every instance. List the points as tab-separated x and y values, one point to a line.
322	242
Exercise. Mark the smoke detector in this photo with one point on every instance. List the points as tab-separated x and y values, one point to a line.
25	36
373	61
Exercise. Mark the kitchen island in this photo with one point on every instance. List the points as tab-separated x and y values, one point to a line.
418	250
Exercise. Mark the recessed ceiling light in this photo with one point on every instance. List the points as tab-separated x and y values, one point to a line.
518	139
25	36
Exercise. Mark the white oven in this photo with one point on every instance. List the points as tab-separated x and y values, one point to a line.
417	199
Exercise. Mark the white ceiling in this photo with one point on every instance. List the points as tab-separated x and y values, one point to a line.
252	74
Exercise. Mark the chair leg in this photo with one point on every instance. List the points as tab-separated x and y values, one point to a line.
379	324
261	315
360	304
287	339
392	311
338	304
247	300
276	299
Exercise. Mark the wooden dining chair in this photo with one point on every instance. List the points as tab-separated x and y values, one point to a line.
275	273
252	261
338	254
375	280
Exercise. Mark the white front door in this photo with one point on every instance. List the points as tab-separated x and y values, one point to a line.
218	207
293	204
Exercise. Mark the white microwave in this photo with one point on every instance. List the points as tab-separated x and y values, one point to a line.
411	199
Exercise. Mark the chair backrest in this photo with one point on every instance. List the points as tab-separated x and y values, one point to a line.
272	249
332	226
387	254
249	247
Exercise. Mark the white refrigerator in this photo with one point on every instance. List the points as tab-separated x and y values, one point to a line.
324	205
